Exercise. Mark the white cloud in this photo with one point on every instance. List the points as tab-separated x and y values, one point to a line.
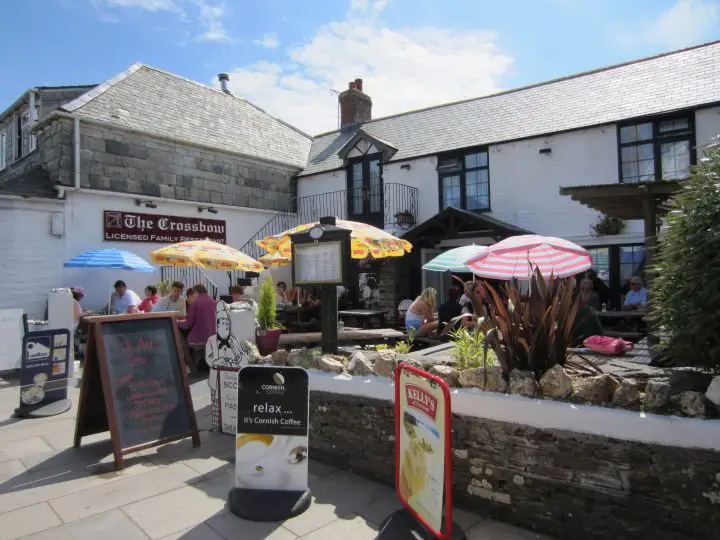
211	18
150	5
402	69
269	41
687	22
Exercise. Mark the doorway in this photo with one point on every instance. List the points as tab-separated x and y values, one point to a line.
365	190
440	281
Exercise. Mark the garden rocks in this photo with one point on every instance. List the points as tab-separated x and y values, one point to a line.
657	394
385	364
251	350
360	365
596	390
280	358
331	363
713	392
448	374
523	383
693	404
301	358
686	380
555	383
490	379
626	395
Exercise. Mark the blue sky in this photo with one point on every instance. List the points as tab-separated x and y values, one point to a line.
286	56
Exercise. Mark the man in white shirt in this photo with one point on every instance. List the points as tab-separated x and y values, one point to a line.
124	300
636	298
175	301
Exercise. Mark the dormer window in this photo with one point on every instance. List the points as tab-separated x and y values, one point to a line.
465	180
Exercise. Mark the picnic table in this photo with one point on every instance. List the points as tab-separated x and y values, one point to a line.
349	335
634	319
363	316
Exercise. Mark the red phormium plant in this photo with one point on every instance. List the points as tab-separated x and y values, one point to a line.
529	333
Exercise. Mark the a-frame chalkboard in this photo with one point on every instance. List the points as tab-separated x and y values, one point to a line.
135	384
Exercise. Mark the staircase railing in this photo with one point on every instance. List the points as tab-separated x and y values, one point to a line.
190	277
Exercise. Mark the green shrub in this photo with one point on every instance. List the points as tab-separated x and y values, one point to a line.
267	311
470	350
684	296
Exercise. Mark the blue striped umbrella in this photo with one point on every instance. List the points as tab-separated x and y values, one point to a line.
453	260
115	259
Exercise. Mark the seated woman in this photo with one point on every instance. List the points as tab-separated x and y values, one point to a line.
588	297
151	298
420	317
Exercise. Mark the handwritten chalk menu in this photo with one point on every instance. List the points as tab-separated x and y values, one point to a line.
228	398
319	263
135	384
44	369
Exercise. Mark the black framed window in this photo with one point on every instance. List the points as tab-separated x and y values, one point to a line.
659	149
465	180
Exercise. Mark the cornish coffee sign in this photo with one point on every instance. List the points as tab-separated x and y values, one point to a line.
136	227
271	444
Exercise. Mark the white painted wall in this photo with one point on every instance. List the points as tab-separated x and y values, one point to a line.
707	125
84	228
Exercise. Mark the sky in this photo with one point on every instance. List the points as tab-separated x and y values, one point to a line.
288	56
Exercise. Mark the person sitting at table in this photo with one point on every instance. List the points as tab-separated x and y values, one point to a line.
78	293
309	298
201	325
599	287
587	296
476	289
123	300
175	301
371	294
449	310
237	292
291	295
281	297
636	297
151	298
420	316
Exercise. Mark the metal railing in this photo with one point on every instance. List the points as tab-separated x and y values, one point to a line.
395	206
190	277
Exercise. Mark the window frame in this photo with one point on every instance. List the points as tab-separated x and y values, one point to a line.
3	150
462	171
364	161
658	140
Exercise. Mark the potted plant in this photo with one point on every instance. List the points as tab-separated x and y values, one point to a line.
405	219
267	336
608	225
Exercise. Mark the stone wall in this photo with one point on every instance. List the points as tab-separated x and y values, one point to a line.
565	484
117	160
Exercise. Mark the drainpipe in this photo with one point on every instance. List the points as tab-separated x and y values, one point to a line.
76	150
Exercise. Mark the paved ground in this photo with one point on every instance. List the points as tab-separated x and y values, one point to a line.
51	491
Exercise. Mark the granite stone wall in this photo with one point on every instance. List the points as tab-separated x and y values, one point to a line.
564	484
118	160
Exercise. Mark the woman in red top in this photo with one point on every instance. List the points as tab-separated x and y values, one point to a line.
151	298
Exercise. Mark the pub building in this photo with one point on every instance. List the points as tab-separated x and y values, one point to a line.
150	158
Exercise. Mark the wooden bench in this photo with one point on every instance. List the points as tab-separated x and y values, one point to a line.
629	335
347	336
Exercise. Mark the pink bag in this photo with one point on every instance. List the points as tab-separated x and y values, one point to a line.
608	345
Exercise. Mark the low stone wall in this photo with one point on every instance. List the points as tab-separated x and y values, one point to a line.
565	483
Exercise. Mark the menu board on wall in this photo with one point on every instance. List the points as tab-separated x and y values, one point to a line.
135	384
318	263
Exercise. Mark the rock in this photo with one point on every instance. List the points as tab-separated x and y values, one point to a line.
251	350
626	395
523	383
686	380
360	365
331	363
490	380
448	374
555	383
598	389
280	358
657	394
713	392
301	358
693	404
385	364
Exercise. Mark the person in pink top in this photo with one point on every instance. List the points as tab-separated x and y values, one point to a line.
200	322
151	298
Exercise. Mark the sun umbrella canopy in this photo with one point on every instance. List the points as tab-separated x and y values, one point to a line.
205	254
274	259
365	240
518	256
454	259
115	259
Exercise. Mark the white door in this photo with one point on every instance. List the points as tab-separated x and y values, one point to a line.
440	281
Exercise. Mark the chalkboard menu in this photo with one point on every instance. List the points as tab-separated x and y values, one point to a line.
135	383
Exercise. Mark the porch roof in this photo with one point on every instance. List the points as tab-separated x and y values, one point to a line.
453	223
624	201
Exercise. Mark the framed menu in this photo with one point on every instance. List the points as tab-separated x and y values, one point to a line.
318	263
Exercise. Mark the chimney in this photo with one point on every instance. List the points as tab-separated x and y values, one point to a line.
224	79
355	106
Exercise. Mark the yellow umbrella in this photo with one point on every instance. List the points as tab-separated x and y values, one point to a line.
364	240
274	259
205	254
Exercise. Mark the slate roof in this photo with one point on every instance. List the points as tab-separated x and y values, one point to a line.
659	84
34	183
154	102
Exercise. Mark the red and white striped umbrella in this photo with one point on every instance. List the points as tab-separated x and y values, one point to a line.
518	256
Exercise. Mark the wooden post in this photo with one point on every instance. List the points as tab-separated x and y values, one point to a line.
650	215
329	319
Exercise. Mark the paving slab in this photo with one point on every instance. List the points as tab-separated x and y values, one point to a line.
231	527
348	528
200	532
113	525
28	520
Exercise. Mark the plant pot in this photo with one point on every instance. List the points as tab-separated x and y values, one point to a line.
267	340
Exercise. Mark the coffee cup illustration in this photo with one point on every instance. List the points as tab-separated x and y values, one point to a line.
268	461
35	393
